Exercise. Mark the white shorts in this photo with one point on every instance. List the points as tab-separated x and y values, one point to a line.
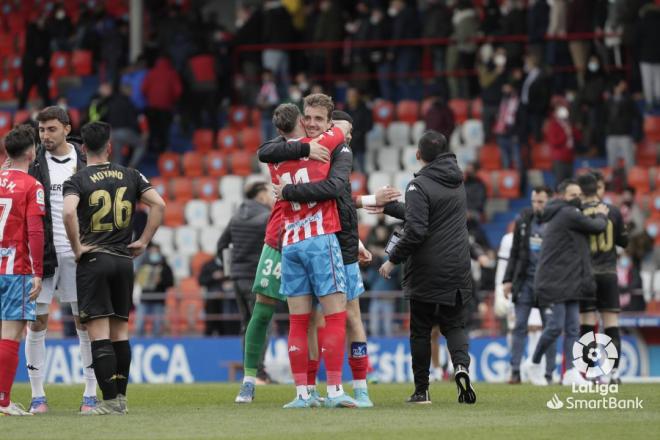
61	285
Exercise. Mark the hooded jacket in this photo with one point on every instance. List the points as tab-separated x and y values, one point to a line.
516	268
246	231
434	244
39	170
564	269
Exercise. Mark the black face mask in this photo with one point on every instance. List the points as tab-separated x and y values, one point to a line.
576	202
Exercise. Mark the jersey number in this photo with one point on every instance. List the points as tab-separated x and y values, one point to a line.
603	242
5	209
269	269
301	176
122	210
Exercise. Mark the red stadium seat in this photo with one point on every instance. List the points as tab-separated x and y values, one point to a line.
160	185
74	116
407	111
6	89
21	117
255	117
490	157
250	139
460	108
203	140
239	117
652	128
6	45
81	61
508	184
358	184
193	164
426	106
639	179
647	153
60	64
487	178
383	112
655	204
14	64
227	140
206	188
197	262
241	163
168	165
5	123
542	157
181	189
216	164
476	108
174	214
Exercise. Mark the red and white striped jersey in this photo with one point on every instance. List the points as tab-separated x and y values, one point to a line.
21	196
305	220
274	226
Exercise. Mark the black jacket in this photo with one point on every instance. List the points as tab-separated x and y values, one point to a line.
337	186
246	230
434	243
516	268
39	170
564	269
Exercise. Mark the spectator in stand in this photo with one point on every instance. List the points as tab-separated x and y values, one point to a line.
592	103
648	35
506	129
437	24
633	217
622	115
277	28
579	20
114	47
133	78
329	26
211	278
475	190
380	28
358	30
162	89
381	307
406	59
153	278
60	29
630	284
492	18
118	111
538	19
248	31
202	81
560	136
462	55
440	117
35	64
557	52
514	22
534	99
492	76
362	124
267	99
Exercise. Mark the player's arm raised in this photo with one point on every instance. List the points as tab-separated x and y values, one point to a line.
156	205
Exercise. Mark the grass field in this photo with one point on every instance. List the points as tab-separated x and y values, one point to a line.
205	411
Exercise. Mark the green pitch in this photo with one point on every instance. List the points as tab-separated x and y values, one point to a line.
207	411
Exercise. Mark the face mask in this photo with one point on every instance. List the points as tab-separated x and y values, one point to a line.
500	60
593	66
624	262
155	258
303	86
576	202
392	12
562	113
60	14
295	96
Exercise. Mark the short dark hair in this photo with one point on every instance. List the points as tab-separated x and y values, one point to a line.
254	189
285	117
561	188
588	184
339	115
600	177
19	140
543	188
96	136
431	145
54	112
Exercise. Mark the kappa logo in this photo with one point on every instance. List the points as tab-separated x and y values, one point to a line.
345	150
293	349
412	188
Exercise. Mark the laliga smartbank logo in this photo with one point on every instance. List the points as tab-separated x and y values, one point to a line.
594	355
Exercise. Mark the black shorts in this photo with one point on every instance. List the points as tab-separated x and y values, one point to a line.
105	286
607	295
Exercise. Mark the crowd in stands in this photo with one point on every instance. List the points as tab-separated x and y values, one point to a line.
542	82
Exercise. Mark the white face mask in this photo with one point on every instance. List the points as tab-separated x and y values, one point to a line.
392	11
562	113
295	96
500	60
593	66
60	14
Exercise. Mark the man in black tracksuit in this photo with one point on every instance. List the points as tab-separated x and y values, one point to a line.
519	278
246	231
436	250
564	276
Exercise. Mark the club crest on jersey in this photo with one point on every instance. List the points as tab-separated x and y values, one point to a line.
40	197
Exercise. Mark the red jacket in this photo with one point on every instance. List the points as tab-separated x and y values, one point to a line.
162	86
561	140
